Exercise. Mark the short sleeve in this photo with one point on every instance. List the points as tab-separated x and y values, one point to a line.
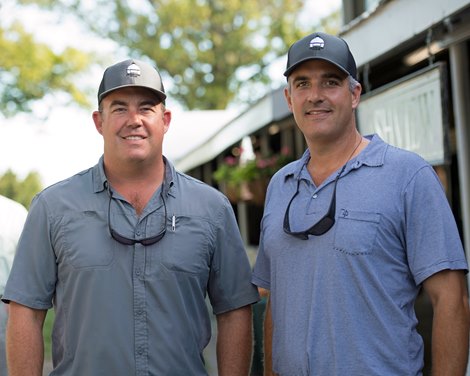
229	283
262	268
32	278
433	242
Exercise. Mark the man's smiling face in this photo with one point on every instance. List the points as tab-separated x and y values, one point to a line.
320	99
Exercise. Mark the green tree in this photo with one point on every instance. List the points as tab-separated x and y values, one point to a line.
29	70
211	49
21	191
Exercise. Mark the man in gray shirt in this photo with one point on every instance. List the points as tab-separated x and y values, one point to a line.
126	253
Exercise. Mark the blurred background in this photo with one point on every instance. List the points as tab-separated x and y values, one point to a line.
222	64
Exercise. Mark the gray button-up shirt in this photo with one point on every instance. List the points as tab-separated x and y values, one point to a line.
130	309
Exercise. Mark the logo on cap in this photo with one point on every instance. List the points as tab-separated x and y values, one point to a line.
317	43
133	70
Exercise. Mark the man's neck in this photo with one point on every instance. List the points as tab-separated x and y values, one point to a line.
326	158
136	184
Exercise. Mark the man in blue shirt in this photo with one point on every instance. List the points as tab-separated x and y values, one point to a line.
126	253
350	234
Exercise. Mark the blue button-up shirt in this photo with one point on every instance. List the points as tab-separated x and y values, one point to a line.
343	302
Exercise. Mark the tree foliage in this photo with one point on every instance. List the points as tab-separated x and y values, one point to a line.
21	191
211	49
30	70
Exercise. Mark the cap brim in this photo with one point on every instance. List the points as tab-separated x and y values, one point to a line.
289	71
159	93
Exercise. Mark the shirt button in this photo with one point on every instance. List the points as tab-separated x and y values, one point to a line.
314	196
138	272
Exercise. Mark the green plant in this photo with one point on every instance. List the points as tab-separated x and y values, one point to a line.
233	174
246	172
226	171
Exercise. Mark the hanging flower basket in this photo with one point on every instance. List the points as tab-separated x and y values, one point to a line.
248	181
257	190
231	191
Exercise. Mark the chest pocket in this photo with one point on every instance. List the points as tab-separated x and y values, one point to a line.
80	242
356	232
186	247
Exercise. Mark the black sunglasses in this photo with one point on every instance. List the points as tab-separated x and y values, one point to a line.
128	241
323	225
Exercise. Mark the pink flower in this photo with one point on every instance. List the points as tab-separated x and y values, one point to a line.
231	161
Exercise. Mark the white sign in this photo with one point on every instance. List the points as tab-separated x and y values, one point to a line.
408	115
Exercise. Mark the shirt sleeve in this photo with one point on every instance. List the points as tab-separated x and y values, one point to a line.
12	218
229	283
262	270
432	239
33	275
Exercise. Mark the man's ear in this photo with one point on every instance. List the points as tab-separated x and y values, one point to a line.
288	98
356	96
98	120
166	120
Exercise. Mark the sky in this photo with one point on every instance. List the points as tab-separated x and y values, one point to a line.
63	142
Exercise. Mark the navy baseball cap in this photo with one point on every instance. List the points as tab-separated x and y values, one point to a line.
130	73
324	47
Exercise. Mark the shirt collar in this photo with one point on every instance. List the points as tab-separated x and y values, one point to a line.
373	156
169	181
100	182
